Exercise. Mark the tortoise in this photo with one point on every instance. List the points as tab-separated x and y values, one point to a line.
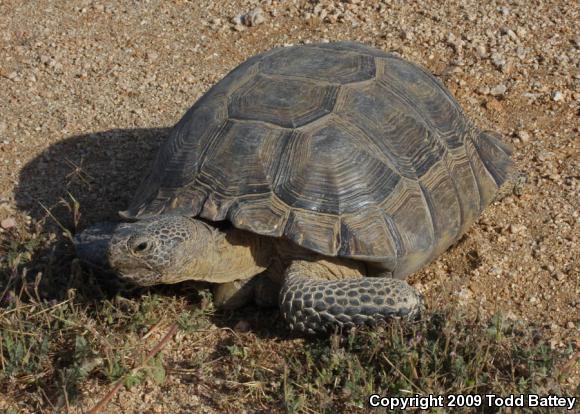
316	177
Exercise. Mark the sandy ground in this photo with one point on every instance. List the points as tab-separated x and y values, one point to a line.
89	88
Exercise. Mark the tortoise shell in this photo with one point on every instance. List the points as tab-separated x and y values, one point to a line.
342	148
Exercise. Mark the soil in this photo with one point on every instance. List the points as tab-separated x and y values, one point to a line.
88	90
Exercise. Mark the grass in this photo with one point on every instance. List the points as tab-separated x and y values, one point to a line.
63	327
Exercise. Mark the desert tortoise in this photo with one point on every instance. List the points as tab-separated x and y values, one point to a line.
334	164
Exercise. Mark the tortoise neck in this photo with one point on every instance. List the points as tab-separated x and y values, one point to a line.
241	254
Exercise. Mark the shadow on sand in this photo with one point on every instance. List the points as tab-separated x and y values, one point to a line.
100	170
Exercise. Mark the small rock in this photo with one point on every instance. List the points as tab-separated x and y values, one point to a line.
254	18
570	325
516	228
498	90
456	43
8	223
237	20
560	276
481	51
498	60
152	56
406	35
523	136
215	23
483	90
557	96
509	32
504	10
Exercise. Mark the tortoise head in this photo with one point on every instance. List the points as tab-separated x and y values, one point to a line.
170	249
164	249
157	250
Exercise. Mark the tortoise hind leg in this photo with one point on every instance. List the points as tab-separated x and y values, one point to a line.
313	305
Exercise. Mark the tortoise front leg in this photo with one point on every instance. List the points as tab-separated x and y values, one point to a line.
310	304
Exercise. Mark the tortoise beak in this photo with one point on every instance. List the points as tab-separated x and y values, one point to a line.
91	245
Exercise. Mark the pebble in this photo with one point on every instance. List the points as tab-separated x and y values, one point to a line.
152	56
8	223
498	90
557	96
560	276
510	33
483	90
456	43
254	18
481	51
523	136
516	228
498	60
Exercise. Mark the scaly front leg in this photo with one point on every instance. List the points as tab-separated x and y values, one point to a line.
311	305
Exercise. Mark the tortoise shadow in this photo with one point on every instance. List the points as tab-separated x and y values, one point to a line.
100	170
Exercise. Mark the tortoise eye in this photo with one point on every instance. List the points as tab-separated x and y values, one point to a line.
139	246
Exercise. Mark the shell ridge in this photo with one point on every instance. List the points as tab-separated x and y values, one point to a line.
431	210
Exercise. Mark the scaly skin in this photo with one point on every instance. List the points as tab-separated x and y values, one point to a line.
312	305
